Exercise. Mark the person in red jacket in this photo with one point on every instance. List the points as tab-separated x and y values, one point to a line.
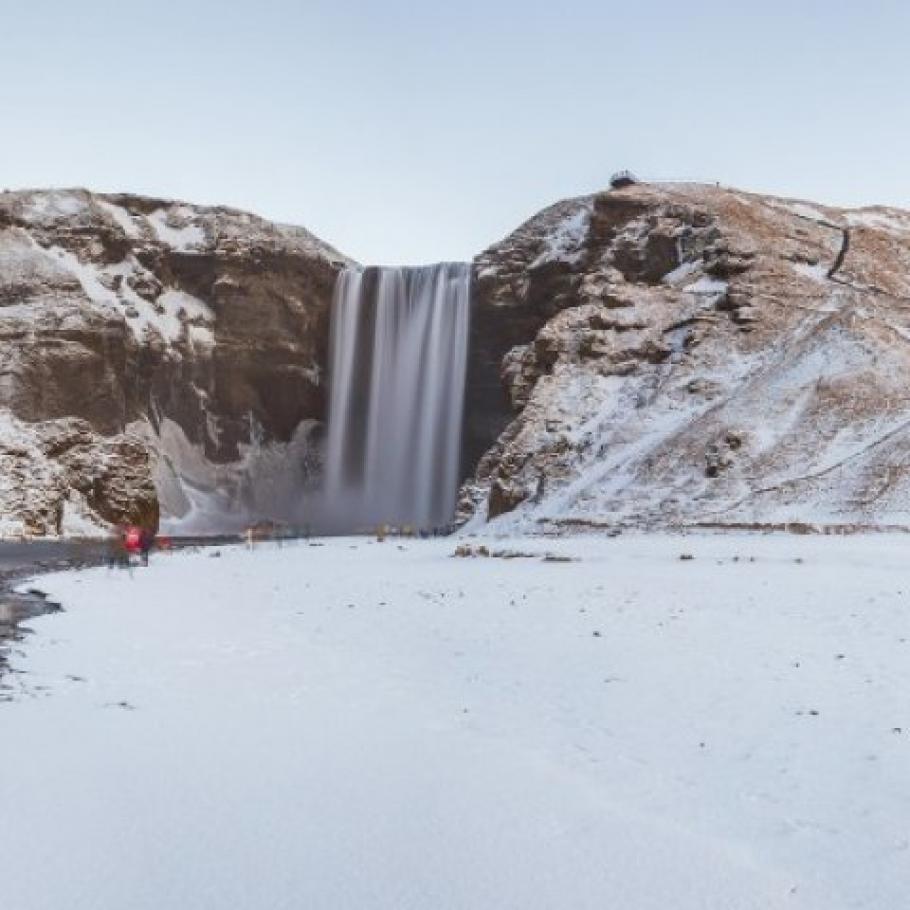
132	540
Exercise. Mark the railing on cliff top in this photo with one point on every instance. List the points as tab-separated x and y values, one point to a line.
626	177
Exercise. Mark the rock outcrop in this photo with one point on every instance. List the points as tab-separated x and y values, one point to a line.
677	355
58	477
185	333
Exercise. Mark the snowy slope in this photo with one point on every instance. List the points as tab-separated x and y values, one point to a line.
699	355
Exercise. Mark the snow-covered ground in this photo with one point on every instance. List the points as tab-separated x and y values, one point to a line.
365	725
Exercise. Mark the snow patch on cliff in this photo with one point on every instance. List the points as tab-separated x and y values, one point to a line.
88	275
565	238
54	205
810	212
182	237
681	273
122	217
891	221
816	272
109	287
181	304
712	287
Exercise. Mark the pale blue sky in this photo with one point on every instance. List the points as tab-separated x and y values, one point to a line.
410	132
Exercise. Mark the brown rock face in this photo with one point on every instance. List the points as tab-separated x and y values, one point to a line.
672	355
518	285
59	477
118	310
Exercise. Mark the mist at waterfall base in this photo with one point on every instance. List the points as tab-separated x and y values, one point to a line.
398	357
271	482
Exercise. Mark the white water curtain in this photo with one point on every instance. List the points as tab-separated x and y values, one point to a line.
398	360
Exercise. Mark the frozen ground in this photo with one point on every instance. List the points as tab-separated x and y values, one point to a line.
363	725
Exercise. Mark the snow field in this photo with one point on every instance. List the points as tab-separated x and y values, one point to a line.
365	725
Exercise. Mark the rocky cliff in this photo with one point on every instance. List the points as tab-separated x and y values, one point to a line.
656	355
678	355
151	344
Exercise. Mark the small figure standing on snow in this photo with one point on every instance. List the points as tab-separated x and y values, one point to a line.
132	540
117	555
137	542
146	542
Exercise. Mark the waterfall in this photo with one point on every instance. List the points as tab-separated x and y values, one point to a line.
398	356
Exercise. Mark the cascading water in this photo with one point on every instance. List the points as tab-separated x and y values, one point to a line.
397	372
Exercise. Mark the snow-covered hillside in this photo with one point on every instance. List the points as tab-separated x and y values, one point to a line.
376	726
698	355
